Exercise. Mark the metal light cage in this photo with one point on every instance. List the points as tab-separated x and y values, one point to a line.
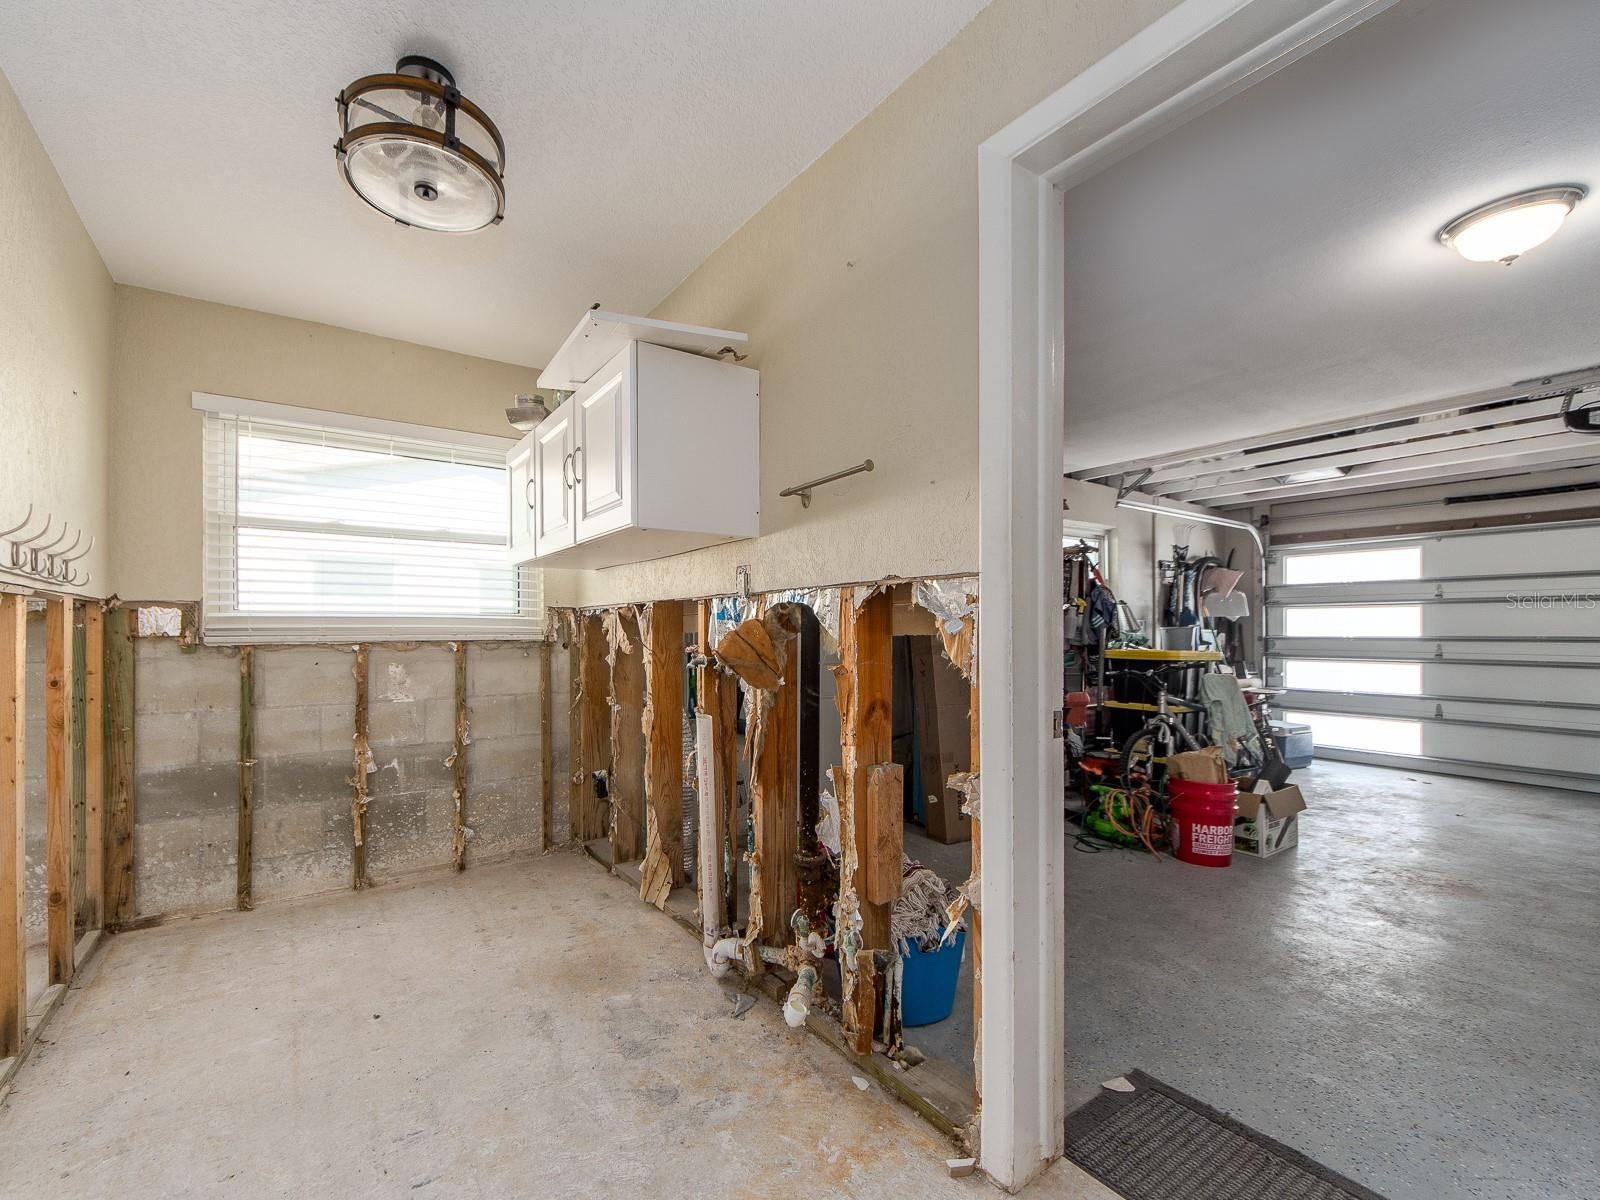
417	150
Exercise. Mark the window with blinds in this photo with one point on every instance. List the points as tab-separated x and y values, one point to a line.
319	531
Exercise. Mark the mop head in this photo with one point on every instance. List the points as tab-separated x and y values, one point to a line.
918	917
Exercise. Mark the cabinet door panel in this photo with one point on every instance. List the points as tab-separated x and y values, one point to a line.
521	499
603	460
554	527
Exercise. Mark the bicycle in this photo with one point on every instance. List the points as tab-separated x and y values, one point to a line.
1145	752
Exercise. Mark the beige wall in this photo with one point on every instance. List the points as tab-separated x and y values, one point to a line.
55	348
167	347
858	286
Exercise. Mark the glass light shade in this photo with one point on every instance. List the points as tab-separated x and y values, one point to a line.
419	152
1505	230
421	184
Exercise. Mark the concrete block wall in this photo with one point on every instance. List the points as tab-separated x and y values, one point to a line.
186	777
186	766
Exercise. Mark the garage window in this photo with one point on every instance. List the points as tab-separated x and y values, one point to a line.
1366	676
1377	735
1352	620
1353	566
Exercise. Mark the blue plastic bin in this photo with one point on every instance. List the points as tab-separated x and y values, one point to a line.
928	981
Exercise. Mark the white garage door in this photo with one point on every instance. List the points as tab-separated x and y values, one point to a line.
1473	653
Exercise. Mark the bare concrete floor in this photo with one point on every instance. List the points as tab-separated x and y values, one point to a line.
1410	996
526	1030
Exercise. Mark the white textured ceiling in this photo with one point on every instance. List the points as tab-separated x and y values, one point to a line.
1272	263
195	138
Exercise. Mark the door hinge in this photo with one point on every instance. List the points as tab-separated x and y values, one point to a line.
1058	723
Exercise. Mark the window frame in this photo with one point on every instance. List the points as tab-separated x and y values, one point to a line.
222	622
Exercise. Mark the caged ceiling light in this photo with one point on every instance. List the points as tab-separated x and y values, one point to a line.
419	151
1506	229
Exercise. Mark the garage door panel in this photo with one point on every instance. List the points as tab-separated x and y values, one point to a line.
1500	669
1573	755
1568	714
1501	588
1560	549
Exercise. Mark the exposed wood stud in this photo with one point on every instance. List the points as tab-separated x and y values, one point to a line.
726	739
358	781
458	760
590	818
77	748
776	795
13	810
547	773
872	712
244	899
575	777
663	628
881	823
120	626
94	772
627	740
710	876
58	787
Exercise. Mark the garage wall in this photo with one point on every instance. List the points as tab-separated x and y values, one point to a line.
55	347
858	285
1143	539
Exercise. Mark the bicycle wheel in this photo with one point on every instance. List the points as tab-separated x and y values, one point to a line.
1139	752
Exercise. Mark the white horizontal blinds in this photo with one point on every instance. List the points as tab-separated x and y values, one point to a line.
317	532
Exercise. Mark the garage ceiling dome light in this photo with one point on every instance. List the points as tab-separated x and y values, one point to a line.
417	150
1504	230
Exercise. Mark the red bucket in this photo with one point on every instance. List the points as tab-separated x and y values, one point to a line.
1202	821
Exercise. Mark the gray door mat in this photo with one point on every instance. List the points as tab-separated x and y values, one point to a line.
1155	1143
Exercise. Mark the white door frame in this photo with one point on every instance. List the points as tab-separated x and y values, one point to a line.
1196	56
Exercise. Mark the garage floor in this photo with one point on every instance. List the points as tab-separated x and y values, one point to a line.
529	1029
1411	996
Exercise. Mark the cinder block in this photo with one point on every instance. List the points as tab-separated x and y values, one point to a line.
339	728
410	768
504	817
305	675
164	740
284	732
392	723
505	670
504	716
198	789
439	720
426	673
502	758
219	735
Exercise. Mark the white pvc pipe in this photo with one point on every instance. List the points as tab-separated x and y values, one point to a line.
798	1005
720	955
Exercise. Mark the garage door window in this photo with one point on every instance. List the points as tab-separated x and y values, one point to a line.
1377	735
1352	621
1364	677
1354	566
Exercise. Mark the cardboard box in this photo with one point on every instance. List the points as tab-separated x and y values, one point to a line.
1268	820
1198	766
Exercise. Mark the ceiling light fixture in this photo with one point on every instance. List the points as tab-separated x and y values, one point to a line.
1506	229
419	151
1314	475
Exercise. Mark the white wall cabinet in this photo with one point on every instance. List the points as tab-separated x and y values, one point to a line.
654	454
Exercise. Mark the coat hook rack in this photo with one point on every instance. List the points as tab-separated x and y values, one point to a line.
48	561
803	490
